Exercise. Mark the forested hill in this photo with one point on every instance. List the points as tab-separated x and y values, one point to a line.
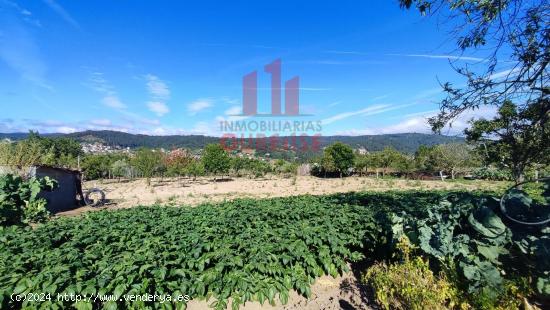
404	142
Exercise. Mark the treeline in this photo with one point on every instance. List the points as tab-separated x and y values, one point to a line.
439	161
212	161
449	160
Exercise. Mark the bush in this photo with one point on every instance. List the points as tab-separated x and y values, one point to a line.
410	284
19	202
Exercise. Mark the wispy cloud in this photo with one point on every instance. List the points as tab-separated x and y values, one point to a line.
101	122
344	52
314	89
504	73
418	123
102	86
159	108
160	93
234	110
57	8
157	87
338	62
199	105
380	97
345	115
449	57
112	101
372	110
18	48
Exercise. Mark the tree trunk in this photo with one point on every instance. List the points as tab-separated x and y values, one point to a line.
441	175
452	174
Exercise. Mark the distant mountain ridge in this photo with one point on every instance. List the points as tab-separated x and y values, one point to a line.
403	142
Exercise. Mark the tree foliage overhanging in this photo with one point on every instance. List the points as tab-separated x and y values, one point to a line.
516	35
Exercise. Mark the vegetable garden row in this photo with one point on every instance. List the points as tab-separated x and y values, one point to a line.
246	250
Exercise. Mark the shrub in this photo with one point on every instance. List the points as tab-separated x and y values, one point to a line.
19	202
410	284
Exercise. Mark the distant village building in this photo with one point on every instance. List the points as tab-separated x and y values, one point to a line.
100	148
362	151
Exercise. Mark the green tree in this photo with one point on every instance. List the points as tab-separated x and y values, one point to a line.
339	157
96	166
517	138
362	163
148	162
388	158
238	164
404	164
215	159
195	169
422	158
453	158
120	168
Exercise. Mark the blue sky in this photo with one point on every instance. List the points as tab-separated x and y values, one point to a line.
176	67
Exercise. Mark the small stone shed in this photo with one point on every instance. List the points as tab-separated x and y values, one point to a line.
64	197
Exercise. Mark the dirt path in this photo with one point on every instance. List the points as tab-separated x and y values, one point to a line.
130	193
327	293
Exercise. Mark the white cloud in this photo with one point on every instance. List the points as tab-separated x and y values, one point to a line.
234	110
199	105
158	107
203	128
449	57
372	110
102	86
100	122
65	129
157	88
380	97
112	101
231	101
314	89
504	73
159	93
418	123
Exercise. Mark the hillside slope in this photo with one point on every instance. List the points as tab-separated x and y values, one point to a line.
404	142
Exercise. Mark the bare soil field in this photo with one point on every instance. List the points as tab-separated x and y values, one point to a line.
183	191
327	293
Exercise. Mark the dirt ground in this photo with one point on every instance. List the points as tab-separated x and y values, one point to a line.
130	193
327	293
343	292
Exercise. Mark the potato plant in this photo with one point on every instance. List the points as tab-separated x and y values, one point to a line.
246	250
